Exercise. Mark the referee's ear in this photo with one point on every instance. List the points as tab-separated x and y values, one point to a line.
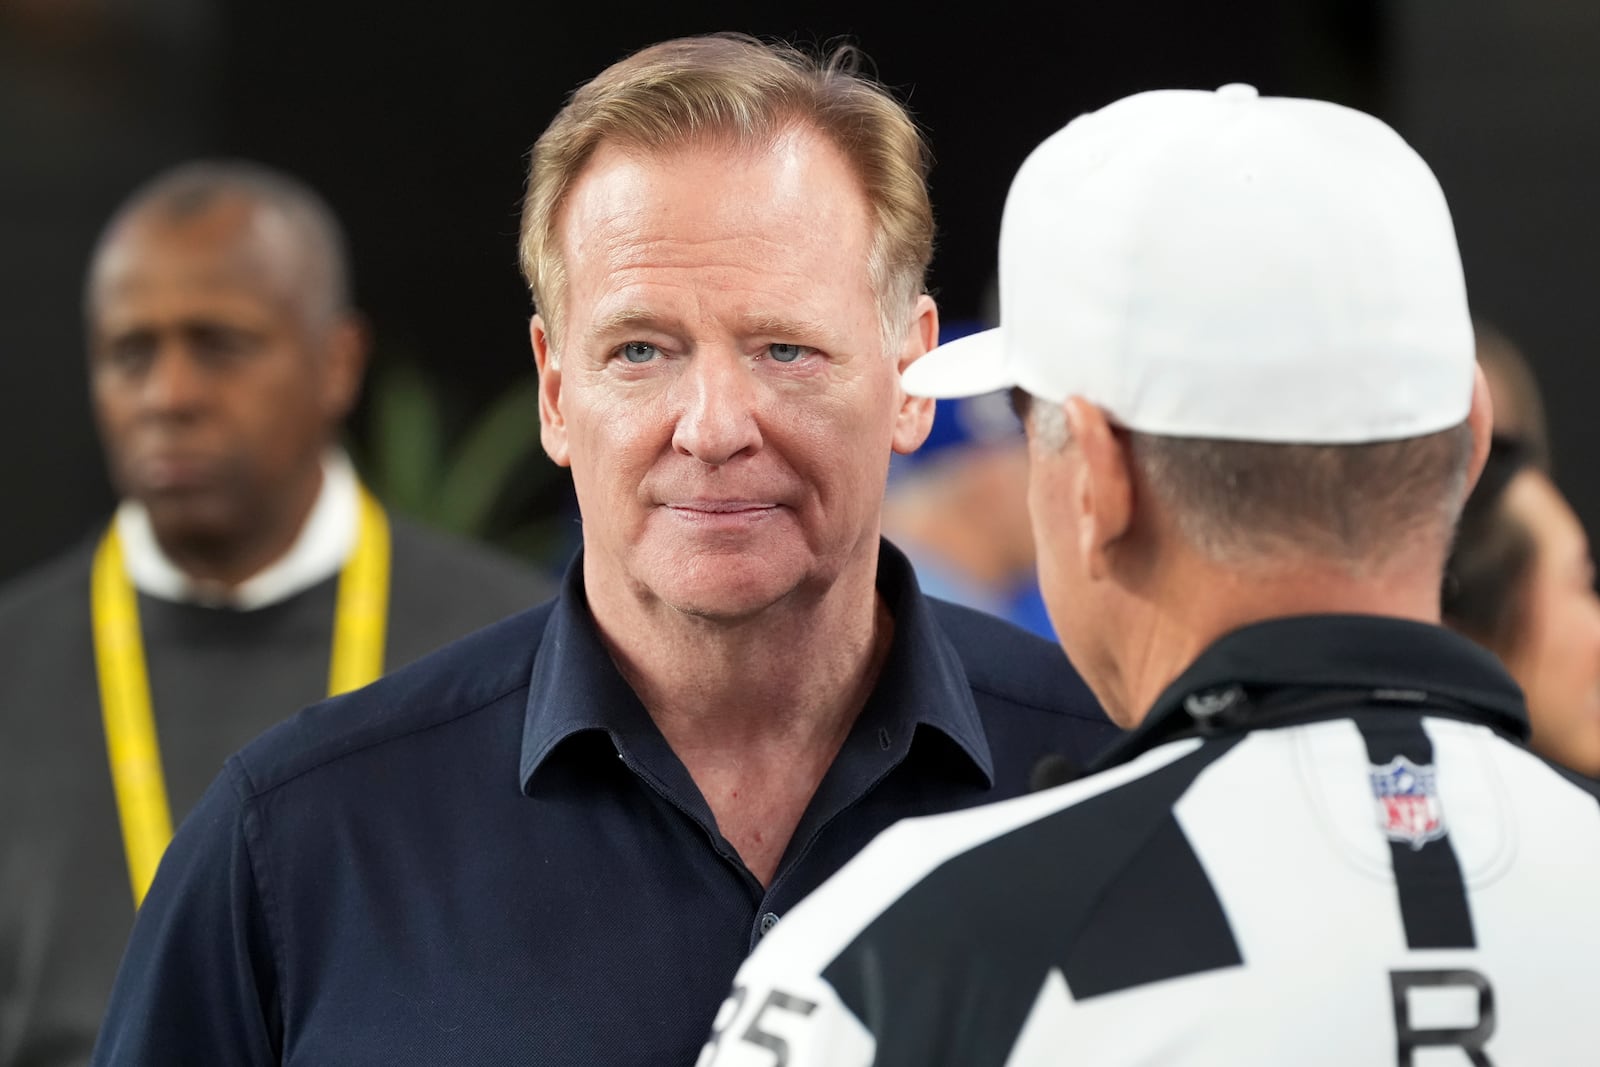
1105	485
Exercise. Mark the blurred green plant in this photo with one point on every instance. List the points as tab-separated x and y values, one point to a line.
489	481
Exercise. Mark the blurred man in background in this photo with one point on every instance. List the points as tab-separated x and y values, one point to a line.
245	573
958	508
1239	334
1518	401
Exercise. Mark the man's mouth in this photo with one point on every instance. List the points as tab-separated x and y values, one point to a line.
172	472
722	507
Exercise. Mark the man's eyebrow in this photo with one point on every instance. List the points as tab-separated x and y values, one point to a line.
629	319
626	320
782	326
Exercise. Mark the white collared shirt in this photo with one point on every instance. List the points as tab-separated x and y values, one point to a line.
325	541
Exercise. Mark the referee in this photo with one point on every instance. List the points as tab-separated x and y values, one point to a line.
1238	330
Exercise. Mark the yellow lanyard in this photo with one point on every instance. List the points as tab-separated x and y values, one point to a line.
357	658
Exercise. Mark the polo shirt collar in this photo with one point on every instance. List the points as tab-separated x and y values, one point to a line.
575	687
1337	652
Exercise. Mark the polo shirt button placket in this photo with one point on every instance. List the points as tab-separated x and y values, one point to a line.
768	921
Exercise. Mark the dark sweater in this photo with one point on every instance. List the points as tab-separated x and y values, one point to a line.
218	677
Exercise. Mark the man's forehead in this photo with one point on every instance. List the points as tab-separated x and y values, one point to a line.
231	246
790	203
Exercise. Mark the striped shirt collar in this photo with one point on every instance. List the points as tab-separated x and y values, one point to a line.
1338	653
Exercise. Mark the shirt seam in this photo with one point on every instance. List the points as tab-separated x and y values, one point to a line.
1031	706
261	885
380	741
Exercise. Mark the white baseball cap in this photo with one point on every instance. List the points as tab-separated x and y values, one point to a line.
1224	265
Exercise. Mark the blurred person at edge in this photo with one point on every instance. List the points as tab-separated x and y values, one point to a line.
1520	580
1237	329
555	841
1518	402
245	573
958	507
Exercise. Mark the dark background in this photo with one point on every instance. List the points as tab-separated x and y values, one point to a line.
414	120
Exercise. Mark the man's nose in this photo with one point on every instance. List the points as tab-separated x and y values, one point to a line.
717	414
175	383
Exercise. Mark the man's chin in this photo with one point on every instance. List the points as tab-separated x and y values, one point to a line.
725	606
196	521
730	591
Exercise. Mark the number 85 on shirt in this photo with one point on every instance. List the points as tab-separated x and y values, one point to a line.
762	1026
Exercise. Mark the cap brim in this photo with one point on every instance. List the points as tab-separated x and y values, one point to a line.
966	366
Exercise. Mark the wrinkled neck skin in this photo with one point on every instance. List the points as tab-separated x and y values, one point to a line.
756	707
1185	607
787	671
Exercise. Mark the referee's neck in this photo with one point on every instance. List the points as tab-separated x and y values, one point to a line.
1167	625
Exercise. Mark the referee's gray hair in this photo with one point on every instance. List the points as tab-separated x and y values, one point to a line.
1048	424
190	189
1238	501
1355	505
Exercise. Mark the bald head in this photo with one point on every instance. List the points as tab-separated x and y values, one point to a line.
284	233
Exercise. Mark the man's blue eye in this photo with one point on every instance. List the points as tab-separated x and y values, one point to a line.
639	352
786	353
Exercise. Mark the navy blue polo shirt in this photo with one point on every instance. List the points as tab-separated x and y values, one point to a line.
493	856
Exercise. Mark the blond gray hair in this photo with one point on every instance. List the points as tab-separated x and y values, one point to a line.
735	89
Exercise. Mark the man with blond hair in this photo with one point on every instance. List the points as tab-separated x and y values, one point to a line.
556	841
1238	328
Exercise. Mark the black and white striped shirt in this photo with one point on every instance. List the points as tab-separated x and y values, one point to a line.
1326	845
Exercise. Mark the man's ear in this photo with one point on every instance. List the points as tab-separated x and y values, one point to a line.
345	350
1105	486
914	414
552	426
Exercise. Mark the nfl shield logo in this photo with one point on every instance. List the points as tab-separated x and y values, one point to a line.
1408	802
